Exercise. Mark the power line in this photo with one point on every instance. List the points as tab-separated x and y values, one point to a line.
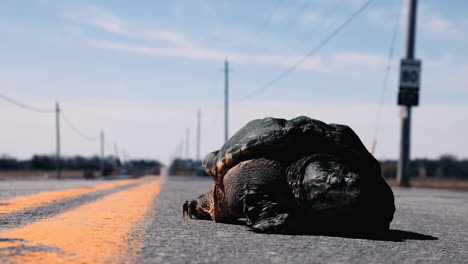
265	22
25	106
385	79
309	54
76	130
328	13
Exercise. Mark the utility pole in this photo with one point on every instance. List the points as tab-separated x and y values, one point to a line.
198	133
226	101
187	137
408	95
181	149
57	135
116	153
102	153
124	158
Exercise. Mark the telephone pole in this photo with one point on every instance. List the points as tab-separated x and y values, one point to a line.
226	101
181	149
102	153
57	135
408	95
187	137
124	158
116	153
198	133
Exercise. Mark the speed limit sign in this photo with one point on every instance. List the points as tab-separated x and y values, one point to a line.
410	76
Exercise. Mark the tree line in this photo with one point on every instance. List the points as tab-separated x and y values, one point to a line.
47	162
447	166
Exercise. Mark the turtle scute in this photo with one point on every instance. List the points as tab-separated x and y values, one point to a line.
298	175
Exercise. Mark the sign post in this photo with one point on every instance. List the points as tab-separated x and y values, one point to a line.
408	95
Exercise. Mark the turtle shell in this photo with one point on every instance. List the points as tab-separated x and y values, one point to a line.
287	141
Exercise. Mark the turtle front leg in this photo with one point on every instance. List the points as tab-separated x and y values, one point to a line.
268	205
199	208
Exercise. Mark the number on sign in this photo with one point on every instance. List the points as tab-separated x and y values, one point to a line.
410	76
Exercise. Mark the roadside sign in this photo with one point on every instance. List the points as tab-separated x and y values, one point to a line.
410	77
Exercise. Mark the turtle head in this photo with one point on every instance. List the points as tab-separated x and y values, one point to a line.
198	208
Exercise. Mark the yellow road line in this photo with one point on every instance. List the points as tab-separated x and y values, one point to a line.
34	200
93	233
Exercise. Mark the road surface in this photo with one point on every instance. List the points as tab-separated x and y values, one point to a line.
139	221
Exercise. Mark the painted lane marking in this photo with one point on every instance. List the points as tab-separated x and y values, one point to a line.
42	198
93	233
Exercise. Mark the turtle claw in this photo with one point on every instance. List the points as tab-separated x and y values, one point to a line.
265	215
185	209
189	209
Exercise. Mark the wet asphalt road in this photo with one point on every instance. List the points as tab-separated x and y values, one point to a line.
430	226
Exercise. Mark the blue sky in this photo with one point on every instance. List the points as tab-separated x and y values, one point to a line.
140	70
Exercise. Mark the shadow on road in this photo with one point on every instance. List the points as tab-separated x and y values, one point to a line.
401	235
393	235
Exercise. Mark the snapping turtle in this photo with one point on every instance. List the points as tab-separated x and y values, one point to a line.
298	175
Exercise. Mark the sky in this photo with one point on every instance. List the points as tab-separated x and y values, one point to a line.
140	71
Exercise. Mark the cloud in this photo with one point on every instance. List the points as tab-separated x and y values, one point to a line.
314	64
438	25
431	22
434	23
180	46
183	47
107	21
320	64
317	18
380	17
325	3
328	13
231	37
352	59
98	17
444	75
437	73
